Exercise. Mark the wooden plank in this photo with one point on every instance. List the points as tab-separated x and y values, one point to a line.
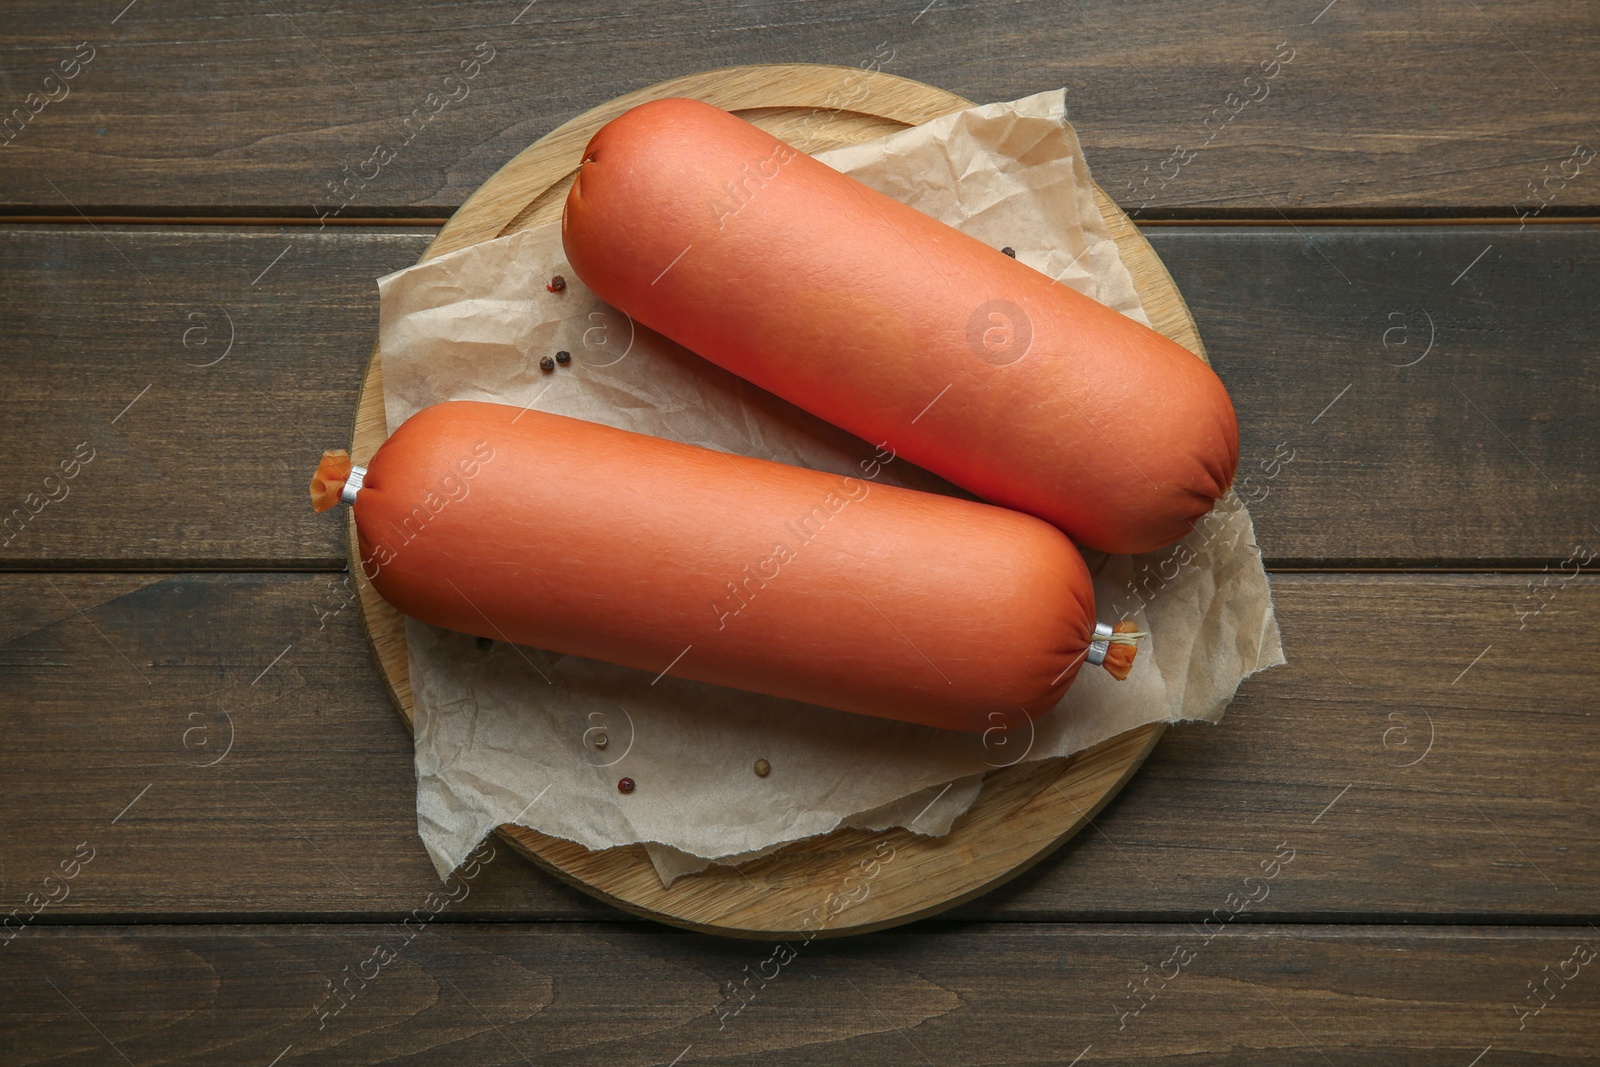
252	109
1393	756
1423	395
957	995
202	702
202	373
1406	744
1480	455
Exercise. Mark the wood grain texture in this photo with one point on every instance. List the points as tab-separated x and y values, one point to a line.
964	995
204	370
1441	465
1427	395
1024	812
312	811
254	109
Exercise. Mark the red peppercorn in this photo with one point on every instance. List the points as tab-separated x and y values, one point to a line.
557	284
625	785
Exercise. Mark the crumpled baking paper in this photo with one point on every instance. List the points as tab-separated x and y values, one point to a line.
510	735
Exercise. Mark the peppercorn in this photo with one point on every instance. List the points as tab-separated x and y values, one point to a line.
1009	251
557	284
763	768
625	785
601	740
484	644
563	357
547	364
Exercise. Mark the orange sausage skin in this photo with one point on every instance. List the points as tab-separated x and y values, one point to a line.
897	327
542	530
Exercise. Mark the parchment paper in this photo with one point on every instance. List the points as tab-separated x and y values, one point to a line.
508	734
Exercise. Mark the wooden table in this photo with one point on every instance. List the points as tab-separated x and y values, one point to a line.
209	819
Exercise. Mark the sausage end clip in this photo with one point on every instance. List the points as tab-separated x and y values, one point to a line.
337	480
1114	647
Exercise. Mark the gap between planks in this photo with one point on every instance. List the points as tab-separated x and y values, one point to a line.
1423	924
438	221
1453	568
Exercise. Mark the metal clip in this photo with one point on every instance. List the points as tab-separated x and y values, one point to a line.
1099	644
352	485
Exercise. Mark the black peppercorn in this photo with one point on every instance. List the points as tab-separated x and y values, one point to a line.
563	358
547	364
1009	251
484	644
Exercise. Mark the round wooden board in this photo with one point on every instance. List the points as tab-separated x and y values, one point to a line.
1024	812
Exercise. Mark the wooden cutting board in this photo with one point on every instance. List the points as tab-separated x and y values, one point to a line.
849	881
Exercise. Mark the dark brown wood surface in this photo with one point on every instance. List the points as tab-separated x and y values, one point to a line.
947	994
186	698
1311	330
253	108
1400	780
